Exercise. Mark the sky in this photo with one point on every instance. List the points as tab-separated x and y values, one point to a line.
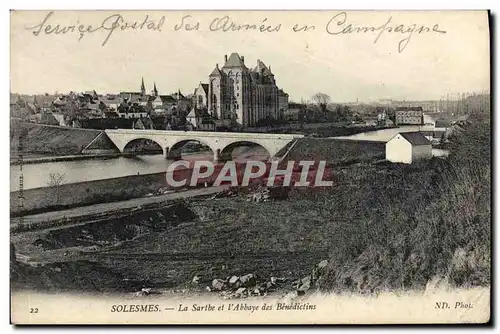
333	58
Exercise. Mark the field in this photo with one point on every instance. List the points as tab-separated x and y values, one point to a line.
218	237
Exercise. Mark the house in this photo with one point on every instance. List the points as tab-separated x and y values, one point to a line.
443	124
164	104
157	105
428	120
110	101
131	110
409	115
383	119
129	96
408	147
93	109
144	123
293	111
199	119
60	101
430	135
60	118
282	104
387	122
192	118
43	118
44	102
178	95
200	96
91	94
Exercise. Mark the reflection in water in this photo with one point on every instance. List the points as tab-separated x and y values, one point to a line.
38	175
386	134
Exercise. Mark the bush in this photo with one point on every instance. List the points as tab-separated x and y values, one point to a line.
418	222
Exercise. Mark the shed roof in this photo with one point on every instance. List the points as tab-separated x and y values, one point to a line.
443	123
415	138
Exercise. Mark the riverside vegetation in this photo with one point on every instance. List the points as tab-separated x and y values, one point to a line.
420	225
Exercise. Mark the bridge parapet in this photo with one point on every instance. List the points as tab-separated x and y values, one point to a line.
217	141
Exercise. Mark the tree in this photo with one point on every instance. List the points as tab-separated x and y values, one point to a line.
322	100
56	180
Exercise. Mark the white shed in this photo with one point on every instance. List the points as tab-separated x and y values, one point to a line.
408	147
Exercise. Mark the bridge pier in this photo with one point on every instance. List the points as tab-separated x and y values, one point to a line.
222	140
217	155
174	154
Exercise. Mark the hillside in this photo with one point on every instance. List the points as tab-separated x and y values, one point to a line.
418	229
381	226
33	139
336	151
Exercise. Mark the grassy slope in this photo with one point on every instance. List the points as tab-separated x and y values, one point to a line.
438	231
43	139
282	238
383	227
335	150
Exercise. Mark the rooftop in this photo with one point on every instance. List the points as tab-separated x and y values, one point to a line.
409	109
415	138
234	60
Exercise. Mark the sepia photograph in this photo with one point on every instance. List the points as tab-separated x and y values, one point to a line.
250	167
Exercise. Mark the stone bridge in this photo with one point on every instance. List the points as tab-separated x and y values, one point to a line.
221	143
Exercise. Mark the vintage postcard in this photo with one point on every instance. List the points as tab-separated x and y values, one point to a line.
250	167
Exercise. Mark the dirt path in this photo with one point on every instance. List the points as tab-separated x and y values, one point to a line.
103	208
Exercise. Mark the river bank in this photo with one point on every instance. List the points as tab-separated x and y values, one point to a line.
103	211
65	196
40	160
30	138
77	157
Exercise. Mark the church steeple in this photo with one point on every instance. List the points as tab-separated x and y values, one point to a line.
143	88
155	91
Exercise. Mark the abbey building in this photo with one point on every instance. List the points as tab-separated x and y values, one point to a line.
238	95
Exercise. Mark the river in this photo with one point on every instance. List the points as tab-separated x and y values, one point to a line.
386	134
39	174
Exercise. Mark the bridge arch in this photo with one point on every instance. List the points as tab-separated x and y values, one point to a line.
143	145
175	151
259	151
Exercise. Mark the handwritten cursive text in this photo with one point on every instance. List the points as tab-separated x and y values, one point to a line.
110	24
338	25
225	24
